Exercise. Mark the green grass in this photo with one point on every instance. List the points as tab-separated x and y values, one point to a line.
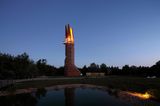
118	82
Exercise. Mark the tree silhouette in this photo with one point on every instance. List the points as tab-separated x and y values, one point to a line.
21	66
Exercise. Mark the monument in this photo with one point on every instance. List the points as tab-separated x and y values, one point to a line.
70	69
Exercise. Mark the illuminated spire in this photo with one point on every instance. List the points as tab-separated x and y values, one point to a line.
69	38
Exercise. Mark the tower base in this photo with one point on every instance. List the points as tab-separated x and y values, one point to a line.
71	71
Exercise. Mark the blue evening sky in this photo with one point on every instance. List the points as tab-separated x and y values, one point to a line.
114	32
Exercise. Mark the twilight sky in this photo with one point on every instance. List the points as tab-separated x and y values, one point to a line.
114	32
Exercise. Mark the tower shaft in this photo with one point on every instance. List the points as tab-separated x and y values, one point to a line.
70	68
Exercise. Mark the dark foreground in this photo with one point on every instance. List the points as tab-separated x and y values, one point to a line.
120	83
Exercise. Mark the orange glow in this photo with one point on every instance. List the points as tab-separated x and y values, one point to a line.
140	95
71	32
70	38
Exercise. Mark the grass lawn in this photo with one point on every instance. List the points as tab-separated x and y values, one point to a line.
118	82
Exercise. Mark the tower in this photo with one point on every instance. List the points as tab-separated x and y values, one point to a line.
70	69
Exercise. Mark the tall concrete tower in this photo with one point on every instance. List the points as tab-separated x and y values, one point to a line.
70	69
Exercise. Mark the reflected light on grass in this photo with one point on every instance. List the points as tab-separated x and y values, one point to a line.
146	95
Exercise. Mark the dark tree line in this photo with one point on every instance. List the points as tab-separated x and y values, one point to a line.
21	66
142	71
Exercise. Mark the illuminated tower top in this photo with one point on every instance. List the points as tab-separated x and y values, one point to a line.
69	38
